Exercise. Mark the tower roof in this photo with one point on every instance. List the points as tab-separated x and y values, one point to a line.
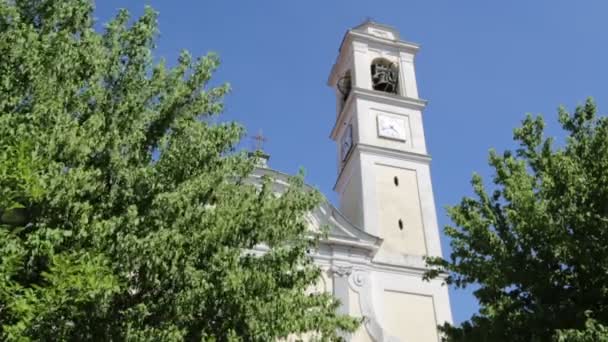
375	33
376	29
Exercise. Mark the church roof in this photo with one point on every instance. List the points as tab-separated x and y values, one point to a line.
342	232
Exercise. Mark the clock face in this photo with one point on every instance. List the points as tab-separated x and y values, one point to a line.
391	127
346	142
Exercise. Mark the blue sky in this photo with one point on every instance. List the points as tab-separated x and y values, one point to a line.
482	66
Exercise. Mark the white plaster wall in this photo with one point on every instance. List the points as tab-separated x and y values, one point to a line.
407	70
372	202
380	33
361	65
377	51
410	317
368	126
399	202
432	304
361	335
351	205
326	282
348	119
397	304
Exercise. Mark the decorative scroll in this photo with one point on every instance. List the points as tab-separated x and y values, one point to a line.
360	282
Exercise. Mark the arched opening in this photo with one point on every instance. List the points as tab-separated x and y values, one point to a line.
345	85
385	75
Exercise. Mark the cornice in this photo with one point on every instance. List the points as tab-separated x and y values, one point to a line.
405	267
349	246
398	100
354	34
366	37
394	153
378	151
377	96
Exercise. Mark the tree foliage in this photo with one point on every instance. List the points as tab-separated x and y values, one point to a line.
536	244
125	212
592	332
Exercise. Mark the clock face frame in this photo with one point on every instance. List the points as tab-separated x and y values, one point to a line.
391	127
346	142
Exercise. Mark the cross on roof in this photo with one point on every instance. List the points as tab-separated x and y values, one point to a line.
259	140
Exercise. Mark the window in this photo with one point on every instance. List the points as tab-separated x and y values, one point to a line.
385	76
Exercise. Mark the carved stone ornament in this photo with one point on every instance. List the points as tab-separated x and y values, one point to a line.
362	284
384	76
341	271
358	279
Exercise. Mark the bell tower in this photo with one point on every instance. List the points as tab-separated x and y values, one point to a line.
384	187
372	258
384	181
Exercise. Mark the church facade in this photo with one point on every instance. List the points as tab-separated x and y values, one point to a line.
386	221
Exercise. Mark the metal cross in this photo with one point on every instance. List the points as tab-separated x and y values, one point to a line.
259	140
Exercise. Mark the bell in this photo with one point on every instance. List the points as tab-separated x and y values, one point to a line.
344	86
384	77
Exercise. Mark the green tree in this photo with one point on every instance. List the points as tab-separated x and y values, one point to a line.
125	211
536	244
593	332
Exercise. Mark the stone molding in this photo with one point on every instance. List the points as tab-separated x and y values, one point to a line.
360	282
